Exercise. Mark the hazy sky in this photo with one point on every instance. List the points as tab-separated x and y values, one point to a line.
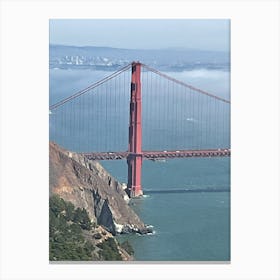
206	34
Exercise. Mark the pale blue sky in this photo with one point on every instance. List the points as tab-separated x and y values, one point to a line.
206	34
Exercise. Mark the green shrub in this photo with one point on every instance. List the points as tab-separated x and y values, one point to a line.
81	217
127	247
109	250
66	241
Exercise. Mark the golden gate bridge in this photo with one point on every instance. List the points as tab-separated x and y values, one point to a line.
166	118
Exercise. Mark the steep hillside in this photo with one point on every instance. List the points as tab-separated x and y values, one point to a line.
88	185
73	237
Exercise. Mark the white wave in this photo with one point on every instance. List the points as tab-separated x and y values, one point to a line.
149	233
152	233
149	226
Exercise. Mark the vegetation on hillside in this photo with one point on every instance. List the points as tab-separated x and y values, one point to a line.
110	250
127	247
67	241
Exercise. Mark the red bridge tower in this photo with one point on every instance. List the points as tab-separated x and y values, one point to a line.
134	159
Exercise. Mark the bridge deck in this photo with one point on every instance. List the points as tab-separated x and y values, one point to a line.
154	155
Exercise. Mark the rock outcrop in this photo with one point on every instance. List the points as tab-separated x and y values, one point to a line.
88	185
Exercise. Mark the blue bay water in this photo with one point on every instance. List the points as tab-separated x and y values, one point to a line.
189	226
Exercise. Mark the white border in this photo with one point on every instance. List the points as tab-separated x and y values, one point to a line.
255	138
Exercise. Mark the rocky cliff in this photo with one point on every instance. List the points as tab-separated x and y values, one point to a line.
88	185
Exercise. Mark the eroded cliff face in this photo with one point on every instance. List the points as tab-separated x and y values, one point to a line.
88	185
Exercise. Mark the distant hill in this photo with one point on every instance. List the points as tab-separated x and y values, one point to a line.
107	58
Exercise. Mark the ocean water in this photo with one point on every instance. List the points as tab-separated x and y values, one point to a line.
187	225
191	219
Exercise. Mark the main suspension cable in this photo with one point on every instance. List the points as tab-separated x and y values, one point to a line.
184	84
85	90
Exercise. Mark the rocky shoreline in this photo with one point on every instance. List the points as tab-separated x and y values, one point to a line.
88	185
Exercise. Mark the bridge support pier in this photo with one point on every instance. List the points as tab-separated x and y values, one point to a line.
134	160
134	175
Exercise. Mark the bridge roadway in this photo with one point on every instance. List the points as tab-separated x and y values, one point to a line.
158	155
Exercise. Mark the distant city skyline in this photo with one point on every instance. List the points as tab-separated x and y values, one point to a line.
203	34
